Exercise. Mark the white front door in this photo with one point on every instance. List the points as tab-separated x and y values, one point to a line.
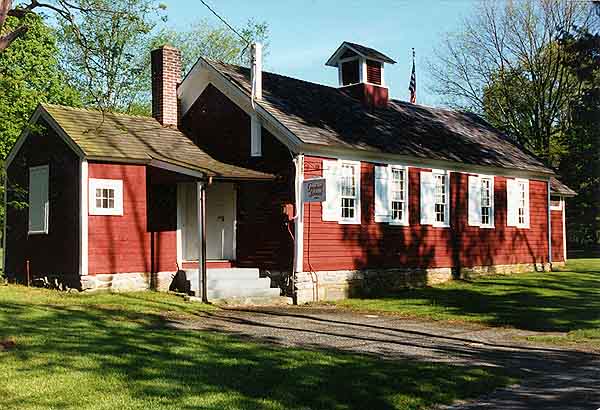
220	221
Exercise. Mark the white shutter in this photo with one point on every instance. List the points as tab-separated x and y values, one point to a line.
38	199
255	136
382	193
512	205
474	200
427	198
331	207
357	212
526	203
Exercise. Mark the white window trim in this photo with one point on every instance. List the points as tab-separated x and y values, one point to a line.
491	225
357	214
46	204
116	185
559	207
447	207
526	224
404	221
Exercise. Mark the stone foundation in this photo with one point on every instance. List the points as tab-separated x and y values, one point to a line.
127	282
343	284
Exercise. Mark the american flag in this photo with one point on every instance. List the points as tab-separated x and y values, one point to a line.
413	82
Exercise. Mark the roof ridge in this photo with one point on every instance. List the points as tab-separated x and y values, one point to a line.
95	110
274	74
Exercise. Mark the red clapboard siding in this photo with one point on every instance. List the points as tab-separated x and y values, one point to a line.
557	236
331	246
119	244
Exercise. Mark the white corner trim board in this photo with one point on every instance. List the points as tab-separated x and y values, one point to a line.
83	214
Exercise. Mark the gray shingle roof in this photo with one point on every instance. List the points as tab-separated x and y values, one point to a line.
370	52
127	137
558	188
323	115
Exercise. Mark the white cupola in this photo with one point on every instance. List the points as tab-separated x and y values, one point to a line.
359	64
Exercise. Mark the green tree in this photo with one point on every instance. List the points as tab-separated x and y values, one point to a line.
215	42
104	51
506	64
202	39
29	74
580	165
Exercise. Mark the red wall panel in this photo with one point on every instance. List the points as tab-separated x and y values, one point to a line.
557	236
124	243
331	246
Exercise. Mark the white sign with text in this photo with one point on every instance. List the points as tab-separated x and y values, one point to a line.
313	190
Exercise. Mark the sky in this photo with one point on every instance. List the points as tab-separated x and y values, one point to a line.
304	33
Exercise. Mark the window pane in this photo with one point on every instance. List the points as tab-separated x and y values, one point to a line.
98	202
98	193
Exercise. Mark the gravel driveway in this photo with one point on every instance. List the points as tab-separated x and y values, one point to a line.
552	378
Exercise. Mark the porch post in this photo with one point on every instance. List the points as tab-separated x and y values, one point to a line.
201	201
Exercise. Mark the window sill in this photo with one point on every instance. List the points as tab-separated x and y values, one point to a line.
487	226
398	223
96	212
441	225
349	222
37	232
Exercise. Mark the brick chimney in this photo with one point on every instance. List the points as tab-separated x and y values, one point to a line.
166	75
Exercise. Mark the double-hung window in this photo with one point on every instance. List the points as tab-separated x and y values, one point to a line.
517	209
342	180
391	194
487	194
435	198
398	195
441	198
481	201
348	190
106	197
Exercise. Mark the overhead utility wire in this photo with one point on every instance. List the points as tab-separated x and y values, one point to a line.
244	39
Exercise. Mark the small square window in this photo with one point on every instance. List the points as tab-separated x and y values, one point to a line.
106	197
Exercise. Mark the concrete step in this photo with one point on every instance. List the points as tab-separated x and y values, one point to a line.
225	273
255	301
247	301
242	292
260	283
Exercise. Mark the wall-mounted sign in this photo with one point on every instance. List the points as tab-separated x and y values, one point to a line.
313	190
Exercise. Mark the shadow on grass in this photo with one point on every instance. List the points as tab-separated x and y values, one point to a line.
558	301
107	356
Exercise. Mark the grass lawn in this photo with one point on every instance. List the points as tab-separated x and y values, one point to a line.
115	352
567	301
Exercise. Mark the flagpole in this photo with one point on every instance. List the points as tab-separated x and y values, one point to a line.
412	88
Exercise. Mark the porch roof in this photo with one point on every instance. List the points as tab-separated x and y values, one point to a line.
130	138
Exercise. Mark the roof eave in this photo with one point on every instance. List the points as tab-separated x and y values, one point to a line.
389	158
